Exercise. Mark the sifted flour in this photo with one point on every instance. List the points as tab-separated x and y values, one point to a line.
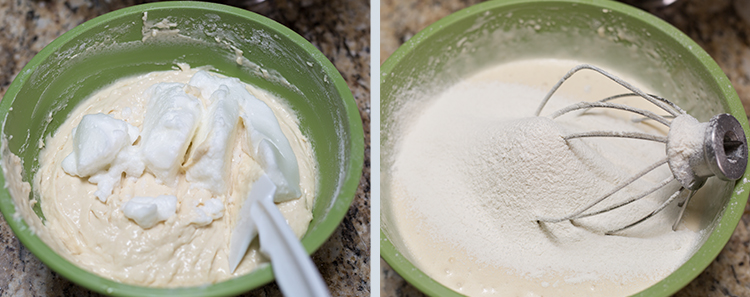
476	169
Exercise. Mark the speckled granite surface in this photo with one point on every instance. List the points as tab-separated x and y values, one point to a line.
340	29
721	27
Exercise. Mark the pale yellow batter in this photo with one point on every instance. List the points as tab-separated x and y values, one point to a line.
98	237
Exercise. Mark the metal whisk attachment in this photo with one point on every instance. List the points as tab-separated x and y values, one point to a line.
723	152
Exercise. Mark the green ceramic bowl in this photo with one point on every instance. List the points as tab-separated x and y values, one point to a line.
604	33
109	47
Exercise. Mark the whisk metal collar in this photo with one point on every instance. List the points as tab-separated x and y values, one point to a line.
726	147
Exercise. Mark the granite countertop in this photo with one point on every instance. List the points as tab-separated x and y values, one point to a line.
340	29
721	27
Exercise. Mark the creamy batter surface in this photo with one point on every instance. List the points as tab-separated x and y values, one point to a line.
191	246
474	169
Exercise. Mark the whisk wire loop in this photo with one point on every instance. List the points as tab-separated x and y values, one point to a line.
619	187
653	213
586	105
657	97
669	108
633	135
640	196
683	206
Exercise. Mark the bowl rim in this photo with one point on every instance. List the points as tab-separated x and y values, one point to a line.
263	275
731	214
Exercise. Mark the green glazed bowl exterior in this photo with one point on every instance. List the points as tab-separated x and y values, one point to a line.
109	47
437	54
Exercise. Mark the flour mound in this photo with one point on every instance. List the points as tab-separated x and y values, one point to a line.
526	165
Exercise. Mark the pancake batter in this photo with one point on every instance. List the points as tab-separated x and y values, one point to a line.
166	221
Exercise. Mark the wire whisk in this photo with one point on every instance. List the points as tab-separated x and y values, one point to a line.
694	151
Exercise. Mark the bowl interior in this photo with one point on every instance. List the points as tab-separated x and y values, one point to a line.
98	52
607	34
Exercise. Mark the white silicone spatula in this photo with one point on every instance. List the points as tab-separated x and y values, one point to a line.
294	270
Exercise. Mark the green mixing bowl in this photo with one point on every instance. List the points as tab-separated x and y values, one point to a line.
112	46
605	33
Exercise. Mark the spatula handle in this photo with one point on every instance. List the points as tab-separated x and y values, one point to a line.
294	270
